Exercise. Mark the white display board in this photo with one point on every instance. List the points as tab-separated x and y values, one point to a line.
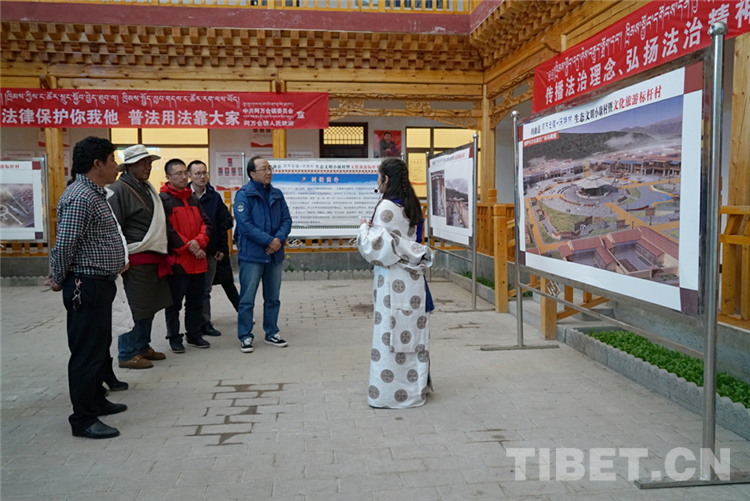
22	196
227	170
327	197
604	185
451	195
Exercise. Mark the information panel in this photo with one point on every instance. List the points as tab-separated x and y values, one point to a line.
327	197
22	192
451	195
603	186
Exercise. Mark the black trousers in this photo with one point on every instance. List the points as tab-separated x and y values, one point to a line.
191	288
89	305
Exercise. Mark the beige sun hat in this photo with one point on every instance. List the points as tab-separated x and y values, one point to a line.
135	153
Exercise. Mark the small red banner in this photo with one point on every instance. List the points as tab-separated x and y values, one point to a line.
163	109
659	32
542	139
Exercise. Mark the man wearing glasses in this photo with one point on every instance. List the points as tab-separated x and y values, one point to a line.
263	224
218	245
188	229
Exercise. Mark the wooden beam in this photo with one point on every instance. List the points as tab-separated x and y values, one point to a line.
144	84
738	187
487	173
548	313
279	135
245	74
385	89
501	258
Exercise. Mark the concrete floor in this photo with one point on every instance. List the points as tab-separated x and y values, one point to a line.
294	424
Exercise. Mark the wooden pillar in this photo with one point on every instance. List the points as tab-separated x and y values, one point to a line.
53	139
487	169
548	313
279	135
739	157
736	266
501	258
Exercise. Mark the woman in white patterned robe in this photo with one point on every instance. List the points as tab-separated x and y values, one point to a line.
400	357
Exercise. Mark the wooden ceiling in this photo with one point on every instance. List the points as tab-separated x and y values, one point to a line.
508	27
190	46
514	23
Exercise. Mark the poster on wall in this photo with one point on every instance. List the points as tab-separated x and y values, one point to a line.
227	170
41	139
327	197
22	193
603	184
451	195
387	143
417	163
261	143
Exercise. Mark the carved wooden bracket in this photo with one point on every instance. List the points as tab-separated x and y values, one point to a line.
414	108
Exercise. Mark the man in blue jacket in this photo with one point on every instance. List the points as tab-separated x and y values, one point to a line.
263	224
218	247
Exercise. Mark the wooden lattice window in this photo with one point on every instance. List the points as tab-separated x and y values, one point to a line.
344	141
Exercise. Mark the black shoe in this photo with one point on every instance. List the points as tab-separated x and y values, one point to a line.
175	344
97	430
198	342
209	330
276	340
107	408
118	386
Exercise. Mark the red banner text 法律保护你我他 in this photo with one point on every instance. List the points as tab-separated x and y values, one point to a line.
163	109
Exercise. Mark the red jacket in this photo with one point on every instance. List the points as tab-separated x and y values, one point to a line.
186	221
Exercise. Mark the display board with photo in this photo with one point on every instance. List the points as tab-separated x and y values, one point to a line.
451	195
22	194
603	184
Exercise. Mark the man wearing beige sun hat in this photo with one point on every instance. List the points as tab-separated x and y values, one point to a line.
139	211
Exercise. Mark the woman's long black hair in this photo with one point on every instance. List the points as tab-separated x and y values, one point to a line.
399	188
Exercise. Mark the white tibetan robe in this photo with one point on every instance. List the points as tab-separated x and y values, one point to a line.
400	357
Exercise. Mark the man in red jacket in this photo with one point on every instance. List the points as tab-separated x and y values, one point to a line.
188	228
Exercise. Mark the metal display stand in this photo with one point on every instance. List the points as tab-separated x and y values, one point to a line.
709	272
474	187
520	345
710	282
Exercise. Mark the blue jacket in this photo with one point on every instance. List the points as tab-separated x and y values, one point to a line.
260	219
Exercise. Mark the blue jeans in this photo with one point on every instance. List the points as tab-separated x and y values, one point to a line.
136	341
191	288
250	276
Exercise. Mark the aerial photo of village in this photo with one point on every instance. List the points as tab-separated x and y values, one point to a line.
16	206
607	194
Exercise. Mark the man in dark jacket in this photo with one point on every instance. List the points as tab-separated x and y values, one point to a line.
218	245
263	224
188	229
133	202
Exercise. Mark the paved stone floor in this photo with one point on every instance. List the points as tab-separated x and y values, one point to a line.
293	423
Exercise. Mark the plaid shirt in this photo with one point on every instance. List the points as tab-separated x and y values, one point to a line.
88	241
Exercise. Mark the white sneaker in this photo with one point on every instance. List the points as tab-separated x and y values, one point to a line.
246	345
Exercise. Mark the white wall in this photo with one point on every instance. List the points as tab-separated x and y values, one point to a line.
504	160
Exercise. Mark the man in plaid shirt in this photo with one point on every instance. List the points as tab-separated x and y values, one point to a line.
89	252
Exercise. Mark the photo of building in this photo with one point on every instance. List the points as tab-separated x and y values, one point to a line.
624	180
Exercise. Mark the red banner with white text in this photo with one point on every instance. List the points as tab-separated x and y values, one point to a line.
657	33
163	109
